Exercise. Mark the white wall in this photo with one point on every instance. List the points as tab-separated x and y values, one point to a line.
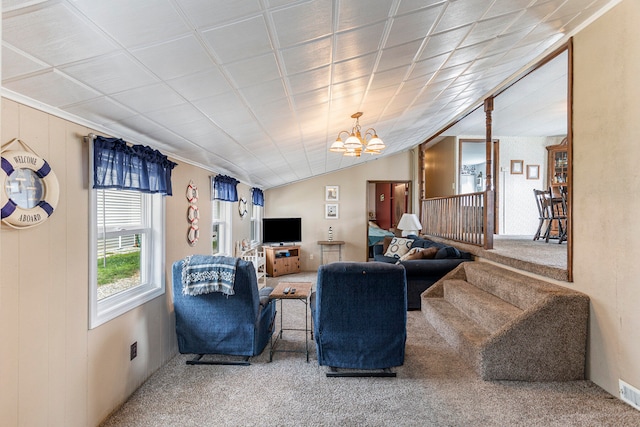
305	199
517	205
606	183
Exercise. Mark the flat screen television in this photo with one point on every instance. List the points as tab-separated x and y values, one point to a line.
281	230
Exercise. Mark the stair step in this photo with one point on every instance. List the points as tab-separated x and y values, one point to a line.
457	329
485	309
517	289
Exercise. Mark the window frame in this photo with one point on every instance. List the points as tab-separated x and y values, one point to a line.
257	212
224	226
152	256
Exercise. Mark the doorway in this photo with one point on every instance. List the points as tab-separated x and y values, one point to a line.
386	202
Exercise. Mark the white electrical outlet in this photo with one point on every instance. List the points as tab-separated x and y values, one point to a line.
310	256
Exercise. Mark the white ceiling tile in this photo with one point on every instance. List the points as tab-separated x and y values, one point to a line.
254	70
504	7
399	55
355	43
311	80
15	63
219	104
307	56
131	126
312	98
445	42
230	120
11	5
467	54
205	13
462	12
181	114
351	14
200	85
428	66
414	26
353	68
263	93
54	34
489	29
100	110
274	112
149	98
534	15
187	57
250	38
302	22
407	6
391	77
110	73
52	88
135	23
351	87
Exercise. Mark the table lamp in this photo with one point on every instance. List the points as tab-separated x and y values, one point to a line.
409	224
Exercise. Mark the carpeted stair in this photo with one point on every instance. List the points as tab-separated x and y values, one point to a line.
509	326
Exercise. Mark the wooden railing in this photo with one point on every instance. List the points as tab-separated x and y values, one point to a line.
462	218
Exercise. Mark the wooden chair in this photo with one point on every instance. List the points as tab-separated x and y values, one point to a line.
544	217
558	211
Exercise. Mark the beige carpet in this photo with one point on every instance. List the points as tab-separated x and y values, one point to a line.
523	253
433	388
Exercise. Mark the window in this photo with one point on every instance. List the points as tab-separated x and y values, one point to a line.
256	223
221	228
126	250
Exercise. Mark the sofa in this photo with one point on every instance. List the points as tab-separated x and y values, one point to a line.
424	260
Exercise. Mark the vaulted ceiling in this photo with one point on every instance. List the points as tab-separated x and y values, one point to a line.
258	89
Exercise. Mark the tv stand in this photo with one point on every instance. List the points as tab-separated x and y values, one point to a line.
281	260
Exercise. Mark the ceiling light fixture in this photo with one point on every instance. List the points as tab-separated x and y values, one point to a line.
356	144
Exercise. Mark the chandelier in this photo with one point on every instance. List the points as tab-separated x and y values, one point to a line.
356	143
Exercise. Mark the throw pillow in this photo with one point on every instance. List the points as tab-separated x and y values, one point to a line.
398	247
429	253
414	253
447	252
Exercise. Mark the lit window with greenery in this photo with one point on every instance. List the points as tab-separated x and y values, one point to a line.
223	193
127	227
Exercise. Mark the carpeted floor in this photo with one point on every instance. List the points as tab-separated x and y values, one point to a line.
433	388
523	253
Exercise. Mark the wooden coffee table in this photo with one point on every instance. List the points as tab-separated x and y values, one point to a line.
302	292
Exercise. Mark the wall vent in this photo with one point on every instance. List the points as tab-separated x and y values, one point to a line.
629	394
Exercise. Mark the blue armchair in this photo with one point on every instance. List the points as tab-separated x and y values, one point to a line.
215	323
359	314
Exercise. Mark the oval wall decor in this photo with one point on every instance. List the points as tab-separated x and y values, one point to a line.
31	189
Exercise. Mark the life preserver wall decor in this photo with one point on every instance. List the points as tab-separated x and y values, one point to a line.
30	188
193	215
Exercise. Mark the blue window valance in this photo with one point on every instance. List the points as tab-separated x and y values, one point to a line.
257	197
120	166
224	188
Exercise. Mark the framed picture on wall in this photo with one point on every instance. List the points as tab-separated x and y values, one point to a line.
517	167
331	211
533	171
331	193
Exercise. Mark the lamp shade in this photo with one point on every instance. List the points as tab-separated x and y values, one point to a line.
409	224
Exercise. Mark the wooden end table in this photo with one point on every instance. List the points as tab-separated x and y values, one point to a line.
302	292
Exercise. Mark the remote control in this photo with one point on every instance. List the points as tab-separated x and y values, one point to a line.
293	291
286	290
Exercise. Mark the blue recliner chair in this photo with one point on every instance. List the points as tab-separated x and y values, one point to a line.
359	314
216	323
